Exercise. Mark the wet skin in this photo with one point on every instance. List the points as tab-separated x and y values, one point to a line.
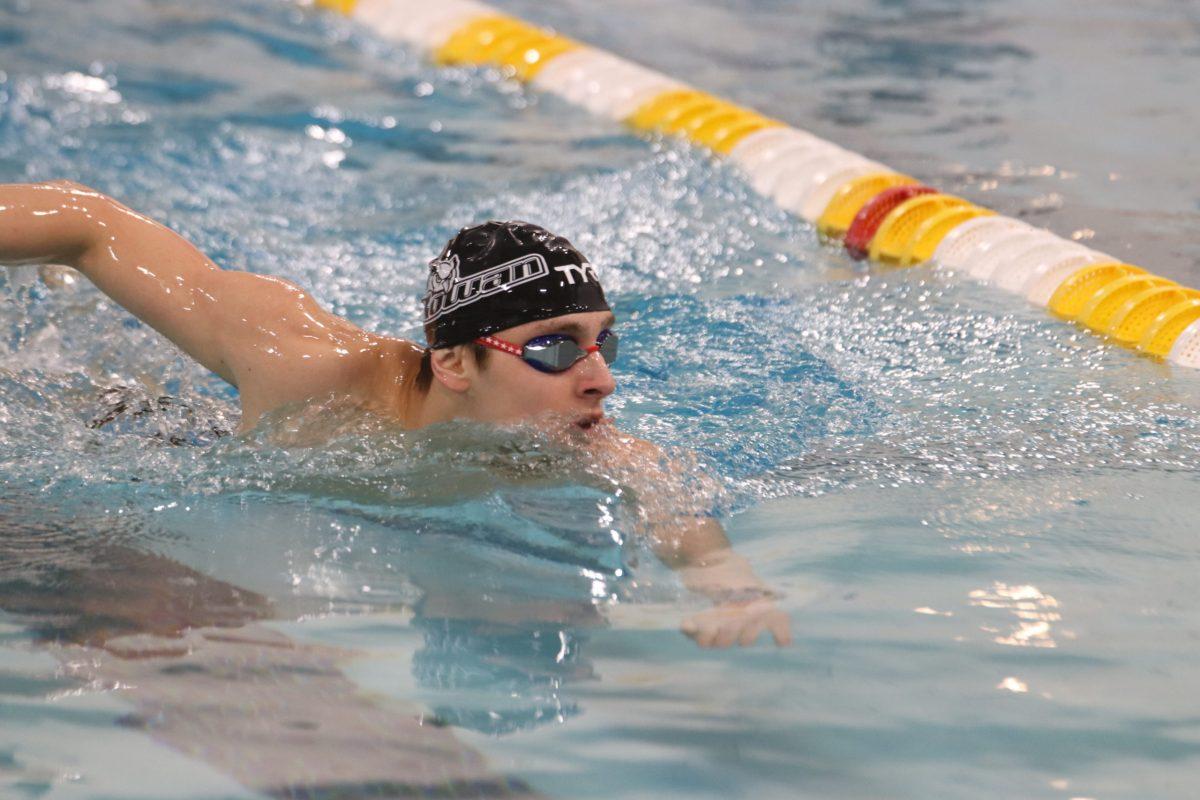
275	343
262	334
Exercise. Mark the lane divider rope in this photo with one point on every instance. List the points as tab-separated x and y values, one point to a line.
875	211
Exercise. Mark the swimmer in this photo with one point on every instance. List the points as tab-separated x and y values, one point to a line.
516	323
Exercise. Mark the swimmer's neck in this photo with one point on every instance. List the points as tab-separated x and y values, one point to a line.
395	393
429	406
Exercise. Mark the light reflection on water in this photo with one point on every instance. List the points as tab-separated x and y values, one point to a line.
886	443
1035	613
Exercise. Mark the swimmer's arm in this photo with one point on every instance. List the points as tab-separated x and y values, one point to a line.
40	224
262	334
743	605
697	548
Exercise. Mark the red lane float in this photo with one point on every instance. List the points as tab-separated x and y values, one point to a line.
870	216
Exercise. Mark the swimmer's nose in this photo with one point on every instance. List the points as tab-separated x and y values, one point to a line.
595	378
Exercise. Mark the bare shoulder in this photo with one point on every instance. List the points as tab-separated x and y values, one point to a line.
289	348
648	465
641	453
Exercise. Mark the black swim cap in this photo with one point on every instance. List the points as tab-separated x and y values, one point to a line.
500	274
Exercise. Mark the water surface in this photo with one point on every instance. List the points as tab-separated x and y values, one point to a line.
980	516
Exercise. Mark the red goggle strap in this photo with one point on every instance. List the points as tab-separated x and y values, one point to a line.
499	344
509	347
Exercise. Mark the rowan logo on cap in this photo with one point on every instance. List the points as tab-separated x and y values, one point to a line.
442	273
447	291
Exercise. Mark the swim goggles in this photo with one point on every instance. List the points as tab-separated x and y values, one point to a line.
555	352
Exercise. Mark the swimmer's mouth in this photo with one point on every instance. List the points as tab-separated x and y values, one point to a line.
588	422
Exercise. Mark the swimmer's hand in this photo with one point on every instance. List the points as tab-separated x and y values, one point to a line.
743	605
739	622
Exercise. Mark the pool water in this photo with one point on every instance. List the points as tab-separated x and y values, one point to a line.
980	517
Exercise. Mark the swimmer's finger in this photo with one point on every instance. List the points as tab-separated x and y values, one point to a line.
728	633
705	638
781	628
751	632
711	635
698	629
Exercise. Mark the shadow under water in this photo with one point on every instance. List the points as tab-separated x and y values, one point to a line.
187	653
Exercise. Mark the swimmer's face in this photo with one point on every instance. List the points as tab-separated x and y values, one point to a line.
505	388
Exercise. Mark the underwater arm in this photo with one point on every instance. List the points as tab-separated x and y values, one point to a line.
743	605
673	496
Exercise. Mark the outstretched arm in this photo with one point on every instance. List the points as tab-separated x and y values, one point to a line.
262	334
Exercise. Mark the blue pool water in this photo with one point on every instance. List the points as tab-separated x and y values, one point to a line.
981	517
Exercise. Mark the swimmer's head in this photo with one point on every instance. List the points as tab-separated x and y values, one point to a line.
506	286
498	275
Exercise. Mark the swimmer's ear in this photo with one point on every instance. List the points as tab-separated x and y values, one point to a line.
451	368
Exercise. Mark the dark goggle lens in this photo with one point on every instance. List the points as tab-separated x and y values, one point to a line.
551	353
608	346
557	353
